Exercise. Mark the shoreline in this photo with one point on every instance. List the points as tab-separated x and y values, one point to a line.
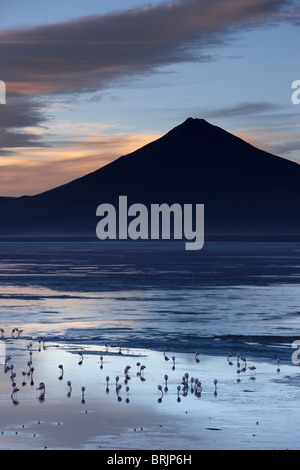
244	414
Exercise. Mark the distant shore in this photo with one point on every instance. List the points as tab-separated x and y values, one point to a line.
208	238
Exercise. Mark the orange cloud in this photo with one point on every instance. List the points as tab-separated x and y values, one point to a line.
34	170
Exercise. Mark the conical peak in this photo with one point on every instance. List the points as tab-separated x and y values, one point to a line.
195	123
192	128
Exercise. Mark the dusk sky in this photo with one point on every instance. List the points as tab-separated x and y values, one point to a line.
87	82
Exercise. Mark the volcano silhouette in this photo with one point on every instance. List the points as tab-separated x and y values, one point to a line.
245	191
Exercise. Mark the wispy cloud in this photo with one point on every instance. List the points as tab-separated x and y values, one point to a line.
31	170
278	140
88	53
21	122
245	109
273	130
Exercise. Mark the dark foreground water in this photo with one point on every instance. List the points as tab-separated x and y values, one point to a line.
228	297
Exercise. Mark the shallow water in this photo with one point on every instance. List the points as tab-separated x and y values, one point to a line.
257	410
228	297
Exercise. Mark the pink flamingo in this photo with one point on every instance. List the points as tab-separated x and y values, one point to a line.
166	381
42	389
165	353
228	359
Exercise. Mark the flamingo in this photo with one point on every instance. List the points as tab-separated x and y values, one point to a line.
166	380
12	370
173	359
12	377
24	375
228	359
139	368
14	392
278	364
13	331
6	366
61	367
107	380
186	376
245	364
2	331
42	389
6	360
165	353
127	391
196	357
253	369
215	382
70	388
198	387
126	370
31	375
82	394
162	393
192	384
178	391
29	363
120	348
118	391
81	358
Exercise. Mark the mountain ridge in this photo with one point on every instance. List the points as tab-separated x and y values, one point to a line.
244	189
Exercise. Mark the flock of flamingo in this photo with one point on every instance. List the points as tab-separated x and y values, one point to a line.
188	384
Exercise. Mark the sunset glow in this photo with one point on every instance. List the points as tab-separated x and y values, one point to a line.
87	87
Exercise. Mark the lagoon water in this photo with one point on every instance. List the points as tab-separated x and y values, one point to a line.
228	297
239	298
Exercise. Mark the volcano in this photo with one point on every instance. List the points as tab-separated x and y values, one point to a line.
245	190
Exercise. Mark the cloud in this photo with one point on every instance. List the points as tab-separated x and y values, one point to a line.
86	54
268	126
21	122
278	140
34	170
244	109
92	53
